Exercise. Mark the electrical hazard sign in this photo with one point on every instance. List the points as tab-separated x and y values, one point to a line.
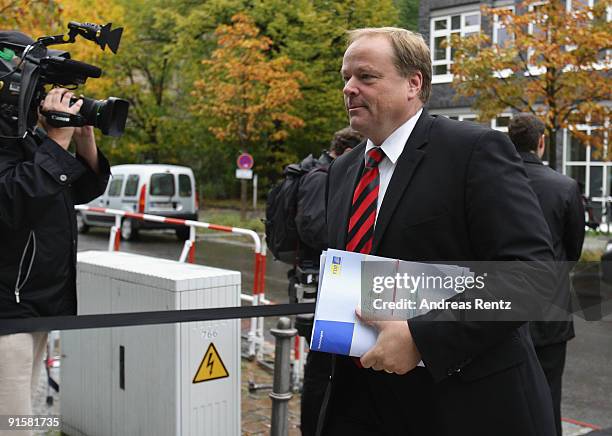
211	367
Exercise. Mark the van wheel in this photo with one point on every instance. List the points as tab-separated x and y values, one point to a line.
182	233
80	222
128	231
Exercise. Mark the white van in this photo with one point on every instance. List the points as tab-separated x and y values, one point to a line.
166	190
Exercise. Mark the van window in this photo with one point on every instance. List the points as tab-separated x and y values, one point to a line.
131	185
184	185
115	186
162	184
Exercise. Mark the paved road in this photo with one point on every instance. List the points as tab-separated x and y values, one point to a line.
587	387
587	394
220	250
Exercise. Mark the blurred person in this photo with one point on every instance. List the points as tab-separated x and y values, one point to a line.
40	182
312	230
562	204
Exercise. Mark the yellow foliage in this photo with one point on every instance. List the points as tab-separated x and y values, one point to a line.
555	65
47	17
249	94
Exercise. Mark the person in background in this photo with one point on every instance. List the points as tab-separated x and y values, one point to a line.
562	204
312	231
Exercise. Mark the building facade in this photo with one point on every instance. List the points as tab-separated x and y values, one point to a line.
438	21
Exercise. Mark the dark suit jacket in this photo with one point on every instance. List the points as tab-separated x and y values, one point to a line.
459	192
561	203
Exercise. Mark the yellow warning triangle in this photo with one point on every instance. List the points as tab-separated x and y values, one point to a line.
211	367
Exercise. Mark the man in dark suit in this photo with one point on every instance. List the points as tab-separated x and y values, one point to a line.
426	188
561	202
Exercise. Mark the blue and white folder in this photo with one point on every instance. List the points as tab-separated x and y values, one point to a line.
336	326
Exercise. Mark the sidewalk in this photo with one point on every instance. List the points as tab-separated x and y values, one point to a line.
257	406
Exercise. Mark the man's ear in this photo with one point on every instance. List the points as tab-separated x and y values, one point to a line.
541	145
415	83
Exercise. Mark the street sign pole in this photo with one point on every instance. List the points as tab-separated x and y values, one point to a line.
244	172
243	199
255	192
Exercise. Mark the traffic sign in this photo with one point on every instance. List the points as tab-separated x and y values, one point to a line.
245	161
244	174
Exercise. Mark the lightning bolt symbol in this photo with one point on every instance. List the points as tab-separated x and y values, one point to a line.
210	363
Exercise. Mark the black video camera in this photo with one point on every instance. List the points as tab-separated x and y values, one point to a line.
303	284
27	66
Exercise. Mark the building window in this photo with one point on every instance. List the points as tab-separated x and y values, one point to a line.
572	5
442	29
586	165
501	37
501	122
469	117
577	4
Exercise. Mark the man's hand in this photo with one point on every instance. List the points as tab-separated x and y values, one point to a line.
58	99
85	142
394	351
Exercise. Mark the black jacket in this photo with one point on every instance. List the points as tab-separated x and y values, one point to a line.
310	216
40	183
561	203
310	211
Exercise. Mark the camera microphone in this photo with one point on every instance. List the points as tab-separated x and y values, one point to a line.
82	68
63	71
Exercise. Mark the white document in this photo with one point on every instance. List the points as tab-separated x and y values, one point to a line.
336	327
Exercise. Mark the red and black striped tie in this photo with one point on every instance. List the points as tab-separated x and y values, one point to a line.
363	209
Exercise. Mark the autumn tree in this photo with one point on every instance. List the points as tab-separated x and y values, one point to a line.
554	64
32	17
245	92
312	34
46	17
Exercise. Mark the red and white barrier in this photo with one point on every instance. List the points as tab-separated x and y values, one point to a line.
256	336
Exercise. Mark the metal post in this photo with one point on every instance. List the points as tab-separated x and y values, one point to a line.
254	191
281	390
243	199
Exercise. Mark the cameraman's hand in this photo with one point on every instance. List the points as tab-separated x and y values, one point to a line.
58	99
85	142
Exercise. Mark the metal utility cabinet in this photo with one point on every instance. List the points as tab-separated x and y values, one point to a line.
172	379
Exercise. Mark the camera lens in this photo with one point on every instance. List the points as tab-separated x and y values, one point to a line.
107	115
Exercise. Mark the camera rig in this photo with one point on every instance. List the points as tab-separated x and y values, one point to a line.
25	70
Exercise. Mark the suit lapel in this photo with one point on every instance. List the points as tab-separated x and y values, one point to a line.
404	170
353	173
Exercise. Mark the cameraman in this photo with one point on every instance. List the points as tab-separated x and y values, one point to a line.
40	182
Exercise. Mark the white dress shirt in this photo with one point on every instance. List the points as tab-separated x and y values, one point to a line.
393	147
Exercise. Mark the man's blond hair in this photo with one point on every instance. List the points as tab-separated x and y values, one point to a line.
411	52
